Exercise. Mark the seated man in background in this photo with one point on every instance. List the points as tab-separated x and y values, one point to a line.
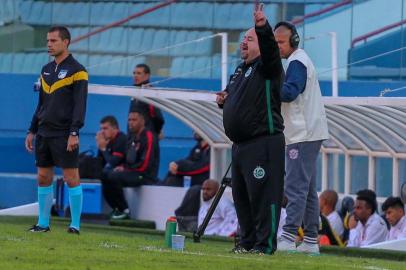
111	143
196	165
224	220
347	215
395	214
328	201
371	228
140	168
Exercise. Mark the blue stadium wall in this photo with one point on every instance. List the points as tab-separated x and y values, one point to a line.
18	104
19	100
390	67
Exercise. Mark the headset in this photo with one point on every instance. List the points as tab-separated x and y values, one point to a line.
294	39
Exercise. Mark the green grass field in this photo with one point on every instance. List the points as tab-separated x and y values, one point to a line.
104	247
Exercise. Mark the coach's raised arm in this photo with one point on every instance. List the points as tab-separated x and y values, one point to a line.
252	120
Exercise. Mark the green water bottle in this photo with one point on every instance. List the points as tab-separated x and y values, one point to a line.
170	229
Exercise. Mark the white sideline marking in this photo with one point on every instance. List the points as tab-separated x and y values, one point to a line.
106	244
375	268
249	258
155	249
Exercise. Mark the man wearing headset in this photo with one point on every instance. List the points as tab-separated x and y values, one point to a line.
305	129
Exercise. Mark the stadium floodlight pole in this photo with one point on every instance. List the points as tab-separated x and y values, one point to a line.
224	59
224	183
334	64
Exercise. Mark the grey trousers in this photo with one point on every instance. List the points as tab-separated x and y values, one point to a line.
300	189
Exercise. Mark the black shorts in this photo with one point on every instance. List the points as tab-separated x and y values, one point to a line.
51	152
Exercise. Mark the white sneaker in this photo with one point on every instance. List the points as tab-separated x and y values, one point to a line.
307	248
286	245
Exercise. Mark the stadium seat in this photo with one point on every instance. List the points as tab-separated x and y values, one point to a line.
147	39
119	11
191	48
77	32
115	39
39	60
99	65
59	17
161	39
204	21
187	68
159	17
205	47
272	12
176	66
81	13
135	40
9	11
178	14
82	58
98	16
179	37
243	12
36	13
222	18
23	63
6	60
201	67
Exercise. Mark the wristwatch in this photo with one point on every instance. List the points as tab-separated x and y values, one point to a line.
74	133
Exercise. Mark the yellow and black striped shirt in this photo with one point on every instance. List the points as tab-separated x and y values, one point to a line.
61	107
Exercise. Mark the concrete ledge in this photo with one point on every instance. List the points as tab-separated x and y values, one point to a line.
155	203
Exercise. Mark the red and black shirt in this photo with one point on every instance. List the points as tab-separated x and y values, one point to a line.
114	155
197	164
143	154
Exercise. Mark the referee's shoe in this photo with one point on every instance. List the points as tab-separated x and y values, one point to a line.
73	230
37	228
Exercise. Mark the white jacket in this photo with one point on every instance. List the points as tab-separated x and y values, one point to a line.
305	118
224	220
374	231
399	230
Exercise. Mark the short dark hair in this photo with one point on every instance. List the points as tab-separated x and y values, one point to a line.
139	112
394	202
145	67
111	120
369	197
330	196
62	30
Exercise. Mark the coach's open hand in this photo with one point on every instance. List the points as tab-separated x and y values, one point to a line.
73	143
259	15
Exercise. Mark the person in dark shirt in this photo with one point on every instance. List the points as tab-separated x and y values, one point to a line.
196	165
140	168
252	120
59	115
111	143
154	120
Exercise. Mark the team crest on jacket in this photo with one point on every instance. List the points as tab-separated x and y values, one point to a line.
293	153
259	172
248	72
62	73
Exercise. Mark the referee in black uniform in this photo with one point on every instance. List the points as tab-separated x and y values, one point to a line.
55	126
252	120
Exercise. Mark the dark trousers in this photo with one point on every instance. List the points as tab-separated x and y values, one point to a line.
257	185
177	180
113	184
